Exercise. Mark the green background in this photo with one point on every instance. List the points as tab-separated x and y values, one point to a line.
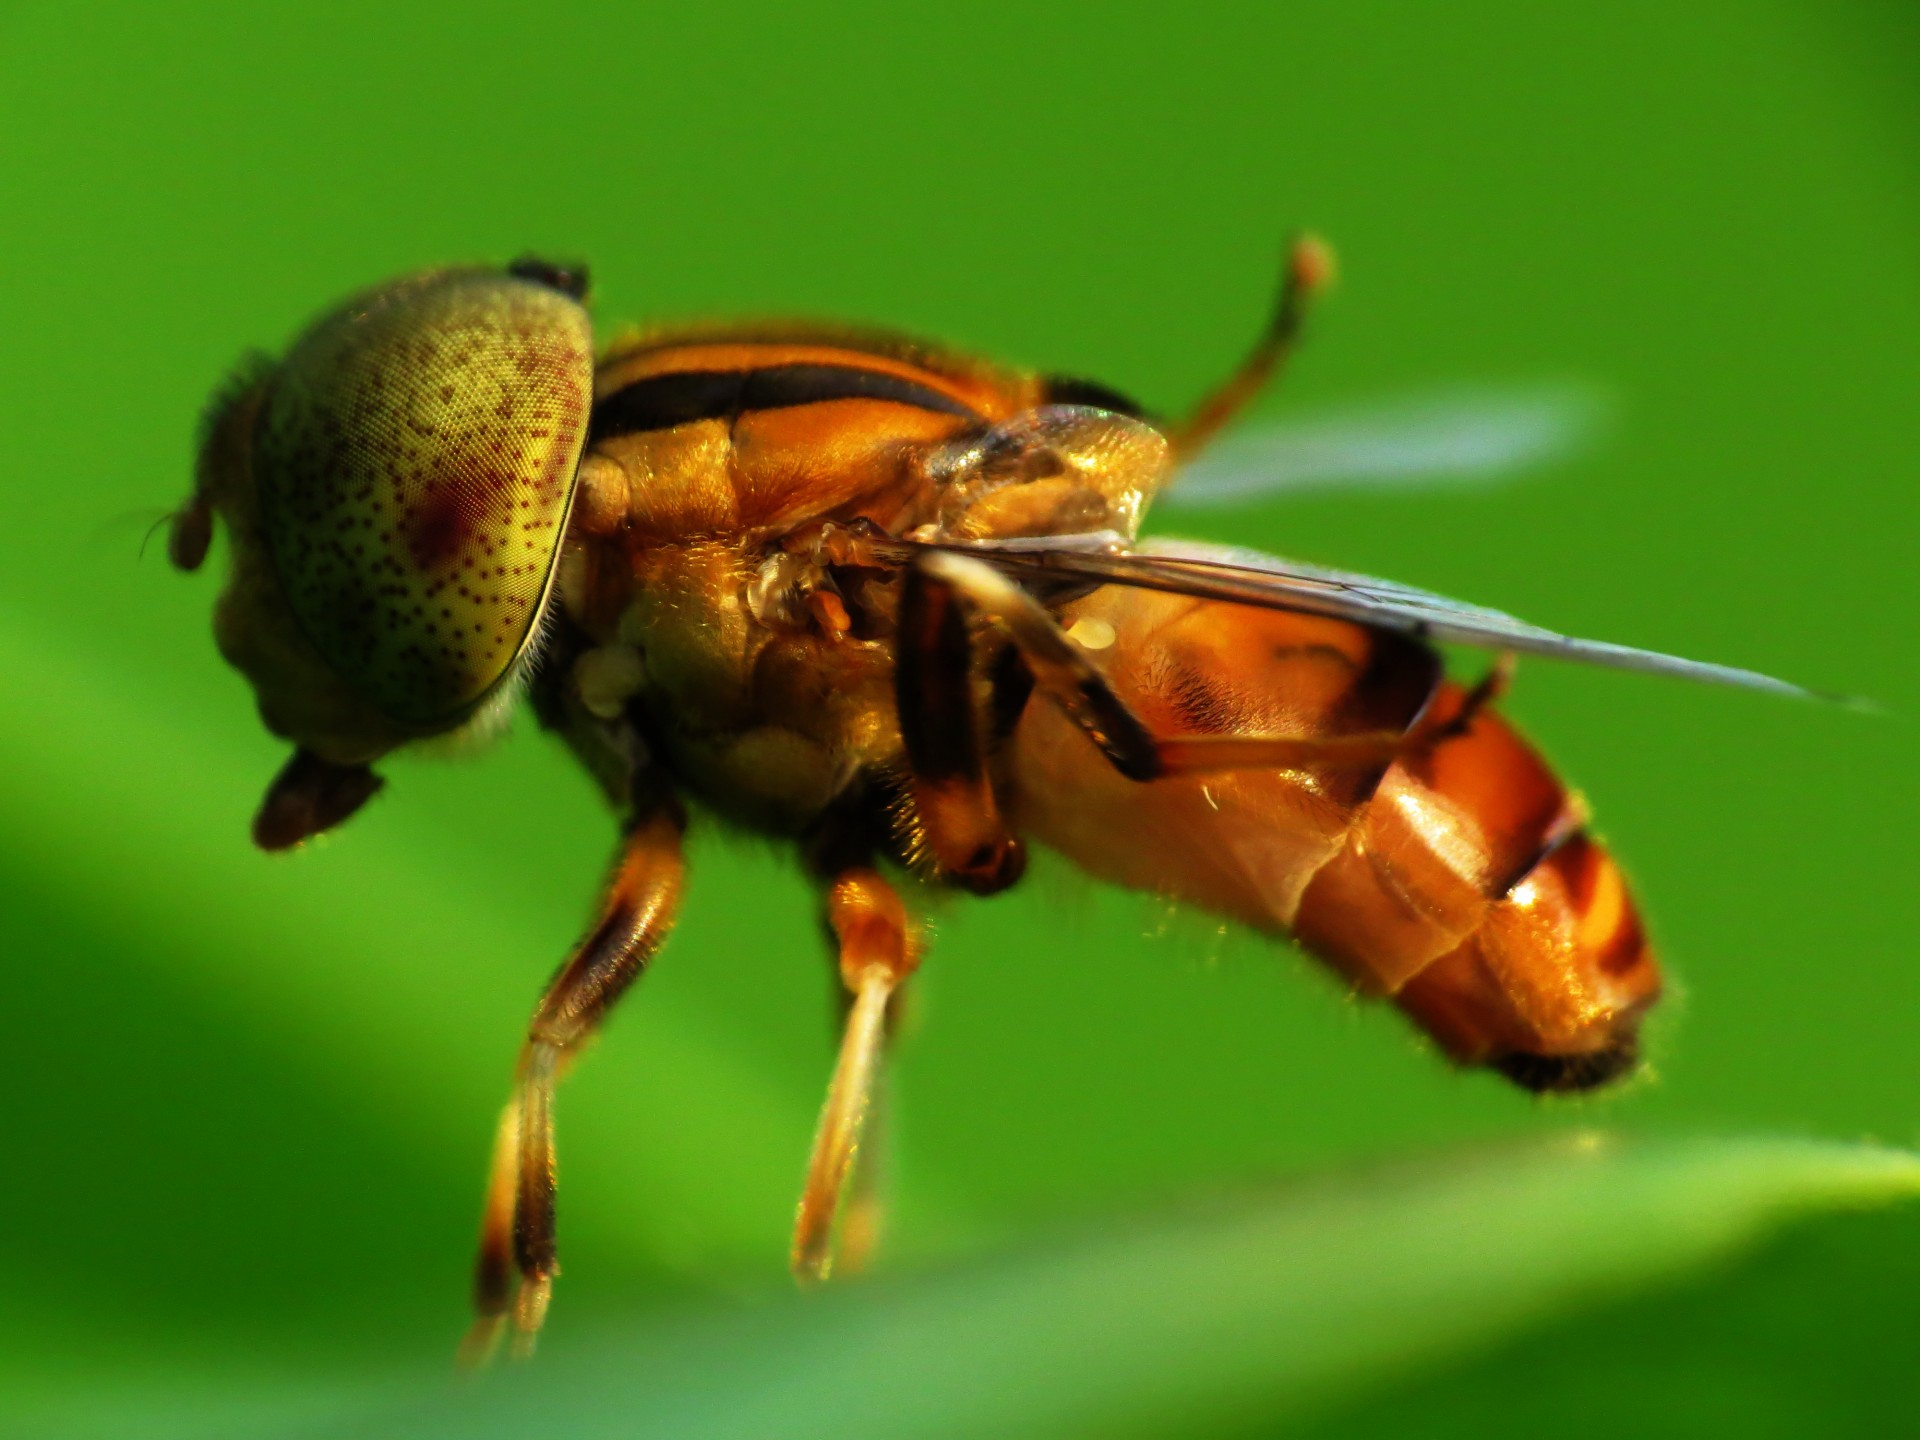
248	1099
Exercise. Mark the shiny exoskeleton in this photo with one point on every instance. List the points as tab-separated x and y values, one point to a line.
887	603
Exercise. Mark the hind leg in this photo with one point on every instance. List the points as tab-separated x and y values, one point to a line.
1062	672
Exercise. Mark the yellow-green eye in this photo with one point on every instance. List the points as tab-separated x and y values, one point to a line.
414	460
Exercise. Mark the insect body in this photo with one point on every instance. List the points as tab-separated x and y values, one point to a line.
886	603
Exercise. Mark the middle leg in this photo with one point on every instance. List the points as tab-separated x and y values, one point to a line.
877	952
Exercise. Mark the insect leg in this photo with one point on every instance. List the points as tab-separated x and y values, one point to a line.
1309	270
1067	677
517	1259
953	794
861	1208
864	1209
877	954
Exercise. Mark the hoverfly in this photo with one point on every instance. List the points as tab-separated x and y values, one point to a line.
884	602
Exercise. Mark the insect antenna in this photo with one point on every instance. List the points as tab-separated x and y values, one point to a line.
1309	269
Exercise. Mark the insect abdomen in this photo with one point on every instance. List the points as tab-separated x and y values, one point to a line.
1467	890
1456	881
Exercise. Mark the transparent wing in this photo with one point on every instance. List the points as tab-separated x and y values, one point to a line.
1475	437
1247	577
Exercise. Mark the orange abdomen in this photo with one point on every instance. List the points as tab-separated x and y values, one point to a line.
1457	880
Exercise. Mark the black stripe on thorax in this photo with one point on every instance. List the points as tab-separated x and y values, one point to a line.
1071	390
680	397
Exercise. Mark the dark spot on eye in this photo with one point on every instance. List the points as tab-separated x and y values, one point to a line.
438	529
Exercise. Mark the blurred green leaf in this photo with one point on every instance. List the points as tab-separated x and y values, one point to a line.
1271	1306
1811	1336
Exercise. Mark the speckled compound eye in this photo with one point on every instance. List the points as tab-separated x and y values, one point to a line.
414	462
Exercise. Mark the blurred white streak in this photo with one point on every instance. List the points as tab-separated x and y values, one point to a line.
1460	436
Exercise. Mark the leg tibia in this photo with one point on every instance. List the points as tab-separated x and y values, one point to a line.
869	923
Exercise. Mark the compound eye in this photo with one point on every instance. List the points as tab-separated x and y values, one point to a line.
415	462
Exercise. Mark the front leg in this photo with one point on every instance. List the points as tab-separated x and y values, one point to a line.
517	1260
